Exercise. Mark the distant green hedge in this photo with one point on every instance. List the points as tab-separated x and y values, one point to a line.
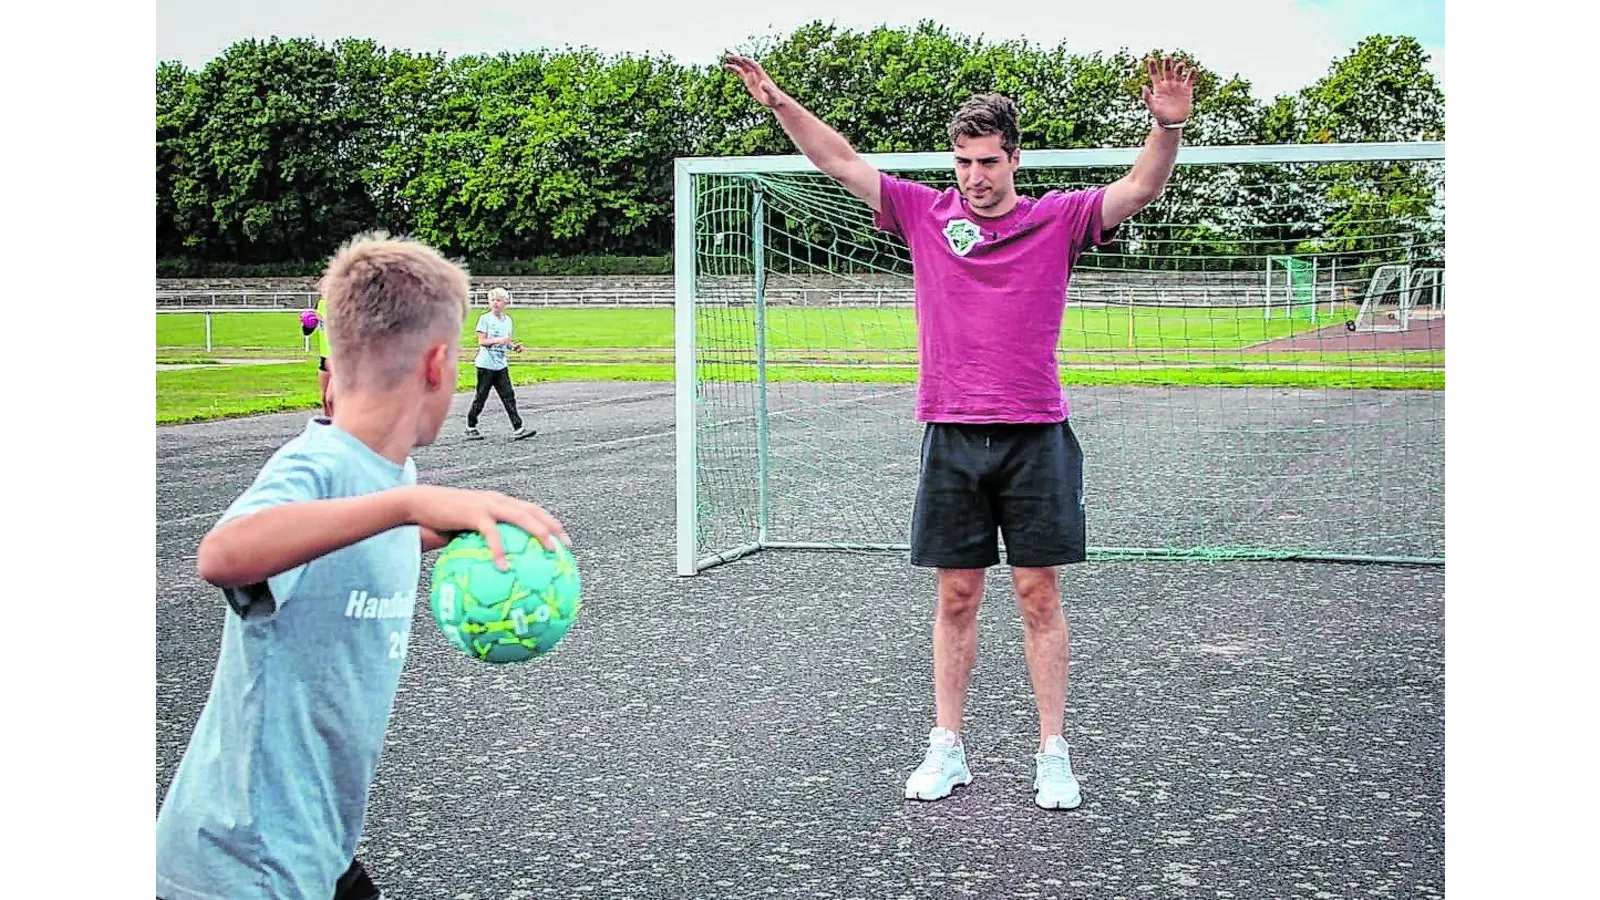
547	265
190	268
576	265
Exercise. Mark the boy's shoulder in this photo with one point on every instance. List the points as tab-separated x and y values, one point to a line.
316	445
321	462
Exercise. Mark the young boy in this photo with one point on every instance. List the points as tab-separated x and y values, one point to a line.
494	338
319	560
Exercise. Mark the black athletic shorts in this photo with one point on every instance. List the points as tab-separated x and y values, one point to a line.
978	481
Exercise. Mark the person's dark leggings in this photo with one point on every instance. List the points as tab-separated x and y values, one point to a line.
500	380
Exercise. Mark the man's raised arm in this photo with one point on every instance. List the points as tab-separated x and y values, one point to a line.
1170	98
827	149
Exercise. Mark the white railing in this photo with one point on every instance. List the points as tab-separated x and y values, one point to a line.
1089	286
267	300
229	310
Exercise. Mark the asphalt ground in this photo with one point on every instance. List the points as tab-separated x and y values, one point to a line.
1240	729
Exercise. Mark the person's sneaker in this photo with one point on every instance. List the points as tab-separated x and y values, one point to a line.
356	884
944	767
1054	785
523	432
474	434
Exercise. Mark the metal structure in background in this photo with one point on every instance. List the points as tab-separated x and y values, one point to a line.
595	293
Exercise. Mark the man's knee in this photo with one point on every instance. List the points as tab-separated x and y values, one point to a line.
960	593
1038	596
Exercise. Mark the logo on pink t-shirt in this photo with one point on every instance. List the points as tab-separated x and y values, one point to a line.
962	236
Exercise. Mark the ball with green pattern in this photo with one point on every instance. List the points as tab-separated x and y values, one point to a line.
510	616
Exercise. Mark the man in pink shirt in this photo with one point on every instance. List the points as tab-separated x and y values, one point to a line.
990	269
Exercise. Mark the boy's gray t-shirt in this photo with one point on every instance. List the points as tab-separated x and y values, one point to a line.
271	794
493	326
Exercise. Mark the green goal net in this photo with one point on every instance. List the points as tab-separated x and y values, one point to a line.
1292	287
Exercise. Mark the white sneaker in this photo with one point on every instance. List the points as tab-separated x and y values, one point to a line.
1054	785
944	767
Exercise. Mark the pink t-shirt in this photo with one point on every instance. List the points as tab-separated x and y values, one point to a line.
989	298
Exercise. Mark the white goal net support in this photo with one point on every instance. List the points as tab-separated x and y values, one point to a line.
1397	294
1210	430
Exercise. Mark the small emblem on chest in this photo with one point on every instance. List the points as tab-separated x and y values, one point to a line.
962	235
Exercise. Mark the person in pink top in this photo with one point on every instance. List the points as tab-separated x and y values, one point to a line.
990	270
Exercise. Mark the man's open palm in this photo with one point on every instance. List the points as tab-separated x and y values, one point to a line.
755	79
1170	94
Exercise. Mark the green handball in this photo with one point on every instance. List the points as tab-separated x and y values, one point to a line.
504	617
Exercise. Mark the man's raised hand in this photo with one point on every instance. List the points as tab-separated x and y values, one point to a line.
756	80
1170	94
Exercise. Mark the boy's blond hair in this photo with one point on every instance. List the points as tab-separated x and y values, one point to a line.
388	300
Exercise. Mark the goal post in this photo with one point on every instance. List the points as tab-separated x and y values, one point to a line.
1210	431
1388	301
1427	291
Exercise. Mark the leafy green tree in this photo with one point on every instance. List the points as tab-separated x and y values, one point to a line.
279	150
268	151
1377	213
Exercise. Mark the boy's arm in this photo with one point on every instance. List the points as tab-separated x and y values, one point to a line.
826	148
252	548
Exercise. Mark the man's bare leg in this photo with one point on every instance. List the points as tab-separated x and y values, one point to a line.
324	379
955	642
1045	638
955	647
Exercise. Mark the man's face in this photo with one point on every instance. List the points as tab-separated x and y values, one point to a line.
985	172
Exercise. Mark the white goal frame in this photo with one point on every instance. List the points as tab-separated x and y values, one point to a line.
1427	285
687	170
1389	281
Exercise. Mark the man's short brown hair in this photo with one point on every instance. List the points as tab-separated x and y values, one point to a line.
986	114
388	299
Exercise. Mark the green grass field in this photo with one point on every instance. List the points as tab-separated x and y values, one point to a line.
788	329
1100	346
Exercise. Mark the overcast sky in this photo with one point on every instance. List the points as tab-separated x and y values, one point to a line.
1279	45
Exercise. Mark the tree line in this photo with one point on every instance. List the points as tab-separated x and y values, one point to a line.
275	151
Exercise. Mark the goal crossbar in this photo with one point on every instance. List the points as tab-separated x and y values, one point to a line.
1233	154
